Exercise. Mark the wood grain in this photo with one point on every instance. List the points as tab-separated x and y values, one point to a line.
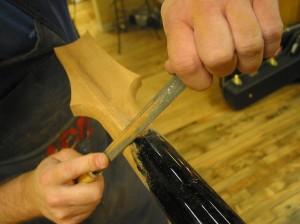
250	157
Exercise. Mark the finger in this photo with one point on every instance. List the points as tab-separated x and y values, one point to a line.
69	201
200	80
246	34
72	214
77	218
268	15
85	194
72	169
213	39
66	154
184	60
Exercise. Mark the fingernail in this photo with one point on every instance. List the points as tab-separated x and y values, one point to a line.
101	161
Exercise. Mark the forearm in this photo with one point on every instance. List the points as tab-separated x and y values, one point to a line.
15	204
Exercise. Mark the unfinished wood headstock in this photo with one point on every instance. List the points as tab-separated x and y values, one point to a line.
101	88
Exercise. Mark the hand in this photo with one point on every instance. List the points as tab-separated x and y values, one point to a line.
214	37
54	193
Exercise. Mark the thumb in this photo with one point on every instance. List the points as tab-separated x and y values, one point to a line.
72	169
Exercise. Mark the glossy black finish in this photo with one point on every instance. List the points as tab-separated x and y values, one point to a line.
181	192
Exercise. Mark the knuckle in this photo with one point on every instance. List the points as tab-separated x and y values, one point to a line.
46	178
164	10
273	32
185	66
218	59
272	36
96	197
54	201
199	82
201	86
61	215
73	168
74	220
92	158
79	218
66	151
165	15
167	9
249	68
251	48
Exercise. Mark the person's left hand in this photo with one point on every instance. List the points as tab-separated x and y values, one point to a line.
53	192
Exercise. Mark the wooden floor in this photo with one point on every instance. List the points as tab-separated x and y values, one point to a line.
250	157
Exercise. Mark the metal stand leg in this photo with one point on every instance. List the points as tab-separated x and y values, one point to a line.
149	13
119	20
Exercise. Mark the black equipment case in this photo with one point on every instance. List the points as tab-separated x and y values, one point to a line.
241	90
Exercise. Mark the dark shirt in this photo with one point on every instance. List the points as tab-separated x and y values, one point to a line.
20	37
18	34
35	117
34	88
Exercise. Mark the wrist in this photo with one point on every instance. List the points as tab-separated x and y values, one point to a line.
17	200
28	195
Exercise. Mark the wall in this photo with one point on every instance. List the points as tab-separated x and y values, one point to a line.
290	11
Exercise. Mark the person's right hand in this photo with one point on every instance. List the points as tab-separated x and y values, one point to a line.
207	38
53	192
